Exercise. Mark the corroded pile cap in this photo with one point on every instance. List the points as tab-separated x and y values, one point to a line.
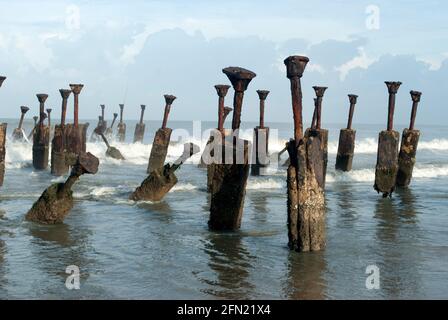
239	77
295	65
88	162
169	98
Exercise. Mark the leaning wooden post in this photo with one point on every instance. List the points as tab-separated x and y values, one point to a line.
3	127
139	132
229	180
160	181
18	134
56	201
162	138
41	138
110	129
260	140
121	126
387	157
408	148
59	166
306	203
346	146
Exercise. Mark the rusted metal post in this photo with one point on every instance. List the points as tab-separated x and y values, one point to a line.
75	137
346	146
121	126
408	148
387	157
110	129
221	90
56	201
49	117
228	186
59	165
103	123
139	132
306	202
260	140
111	152
162	138
3	127
160	181
313	121
41	137
18	134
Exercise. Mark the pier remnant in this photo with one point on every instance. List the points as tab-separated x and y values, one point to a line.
76	132
111	152
306	202
59	165
229	178
56	201
408	148
18	133
387	158
139	132
34	127
162	138
160	181
41	137
3	127
346	146
110	129
260	139
103	119
121	125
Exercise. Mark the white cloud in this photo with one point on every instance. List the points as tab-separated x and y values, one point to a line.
360	61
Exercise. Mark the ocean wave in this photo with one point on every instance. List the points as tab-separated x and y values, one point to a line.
261	183
184	187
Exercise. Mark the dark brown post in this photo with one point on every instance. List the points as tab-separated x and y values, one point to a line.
346	146
228	182
306	202
319	95
76	89
221	90
408	148
41	137
18	134
110	129
34	128
260	140
59	166
139	132
75	140
3	127
56	201
387	157
121	126
162	138
313	121
103	123
49	117
160	181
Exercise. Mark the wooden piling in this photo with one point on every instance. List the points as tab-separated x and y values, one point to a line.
139	132
387	158
41	138
408	148
260	140
121	126
346	146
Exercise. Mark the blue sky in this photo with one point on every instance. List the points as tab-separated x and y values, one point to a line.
135	51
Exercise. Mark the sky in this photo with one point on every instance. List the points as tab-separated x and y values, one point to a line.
133	52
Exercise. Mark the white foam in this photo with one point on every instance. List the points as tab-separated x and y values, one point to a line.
184	187
262	183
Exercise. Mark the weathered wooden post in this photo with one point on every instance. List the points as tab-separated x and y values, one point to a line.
18	134
162	138
306	202
56	201
3	127
346	146
121	126
139	132
110	129
111	152
75	137
387	157
34	128
160	181
261	139
59	165
229	179
41	138
408	148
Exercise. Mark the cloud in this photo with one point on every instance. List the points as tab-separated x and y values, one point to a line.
360	61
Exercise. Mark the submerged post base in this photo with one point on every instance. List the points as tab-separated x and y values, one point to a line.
260	150
346	150
406	157
155	186
159	149
387	163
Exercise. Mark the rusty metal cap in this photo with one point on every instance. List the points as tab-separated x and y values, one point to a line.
353	98
227	110
2	78
169	98
88	162
24	109
102	106
76	88
222	89
295	65
262	94
239	77
319	91
415	95
121	106
49	110
143	106
393	86
42	97
115	115
65	93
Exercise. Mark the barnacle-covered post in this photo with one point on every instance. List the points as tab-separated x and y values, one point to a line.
387	157
59	165
41	137
346	146
18	134
228	184
162	138
408	148
139	132
121	125
261	139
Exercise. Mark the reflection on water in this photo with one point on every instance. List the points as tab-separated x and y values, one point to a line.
232	264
